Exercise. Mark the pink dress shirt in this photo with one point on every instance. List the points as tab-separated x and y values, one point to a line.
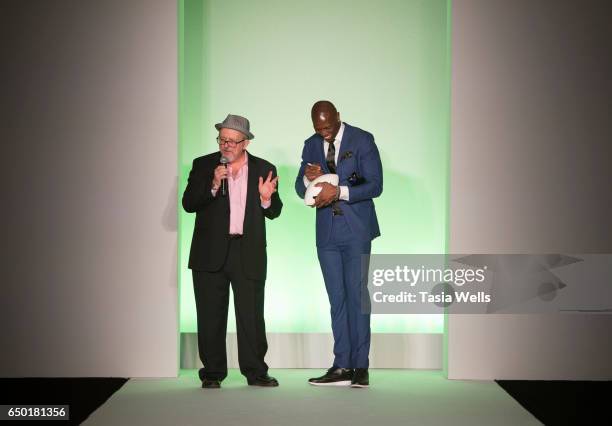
237	191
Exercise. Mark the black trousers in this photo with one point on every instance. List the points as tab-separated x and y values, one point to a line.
212	299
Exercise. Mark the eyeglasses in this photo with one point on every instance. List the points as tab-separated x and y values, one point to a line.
229	143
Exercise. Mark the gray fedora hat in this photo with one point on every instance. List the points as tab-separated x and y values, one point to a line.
238	123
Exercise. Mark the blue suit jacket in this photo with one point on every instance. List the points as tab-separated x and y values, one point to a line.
359	168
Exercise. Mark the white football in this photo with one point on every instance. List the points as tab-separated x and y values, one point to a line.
313	190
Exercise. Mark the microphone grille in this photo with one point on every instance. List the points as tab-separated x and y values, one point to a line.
224	160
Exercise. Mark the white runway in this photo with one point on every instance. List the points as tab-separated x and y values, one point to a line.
396	397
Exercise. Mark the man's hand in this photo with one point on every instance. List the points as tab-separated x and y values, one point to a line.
267	187
313	171
220	173
328	194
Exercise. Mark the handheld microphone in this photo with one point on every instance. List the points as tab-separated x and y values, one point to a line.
224	161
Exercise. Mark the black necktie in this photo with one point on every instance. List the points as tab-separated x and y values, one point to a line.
330	159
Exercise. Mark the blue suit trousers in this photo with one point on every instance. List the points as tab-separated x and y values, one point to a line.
345	276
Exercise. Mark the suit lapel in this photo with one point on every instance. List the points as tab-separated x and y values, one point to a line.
345	145
252	190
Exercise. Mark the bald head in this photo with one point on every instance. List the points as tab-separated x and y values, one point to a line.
325	107
325	119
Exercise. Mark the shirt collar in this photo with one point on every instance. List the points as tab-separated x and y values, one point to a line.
245	166
340	133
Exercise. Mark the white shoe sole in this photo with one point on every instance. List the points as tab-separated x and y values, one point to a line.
360	386
340	383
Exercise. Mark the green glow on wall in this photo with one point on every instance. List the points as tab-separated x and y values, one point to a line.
385	66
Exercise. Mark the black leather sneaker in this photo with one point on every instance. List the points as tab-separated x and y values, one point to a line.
333	377
211	384
263	380
361	378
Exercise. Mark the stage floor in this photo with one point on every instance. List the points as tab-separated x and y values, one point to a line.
417	397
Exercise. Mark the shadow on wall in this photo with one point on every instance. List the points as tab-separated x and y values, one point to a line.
169	222
169	216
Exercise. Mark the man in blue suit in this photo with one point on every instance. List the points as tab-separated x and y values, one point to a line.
345	226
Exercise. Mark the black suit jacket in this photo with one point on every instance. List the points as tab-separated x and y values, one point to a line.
210	235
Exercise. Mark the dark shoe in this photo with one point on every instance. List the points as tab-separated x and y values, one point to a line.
263	380
211	384
361	379
333	377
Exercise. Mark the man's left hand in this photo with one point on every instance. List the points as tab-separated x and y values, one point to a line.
327	195
267	187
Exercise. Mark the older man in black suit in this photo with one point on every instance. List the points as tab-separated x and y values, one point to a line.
231	192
